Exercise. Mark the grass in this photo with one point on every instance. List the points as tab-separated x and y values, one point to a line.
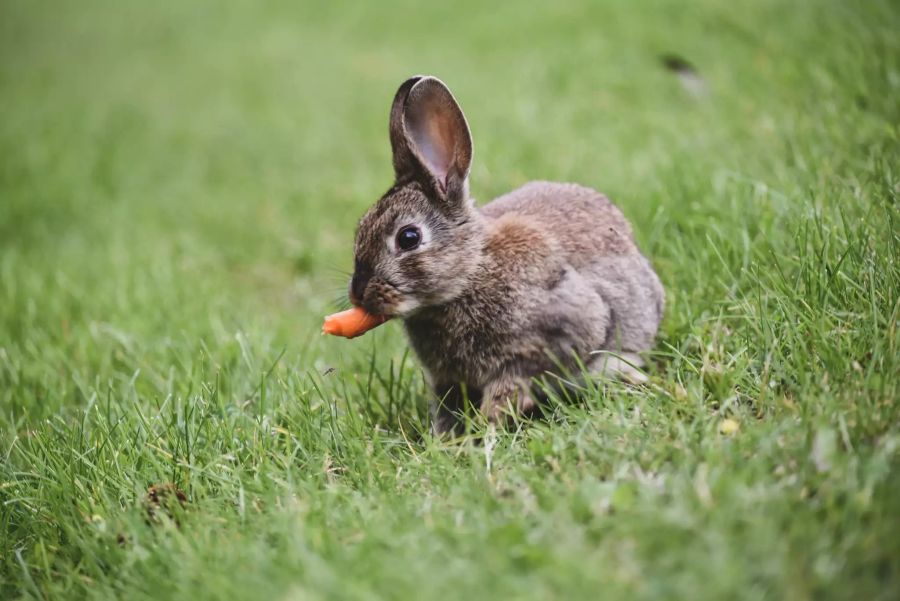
178	189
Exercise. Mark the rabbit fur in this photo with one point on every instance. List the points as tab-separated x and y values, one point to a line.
537	281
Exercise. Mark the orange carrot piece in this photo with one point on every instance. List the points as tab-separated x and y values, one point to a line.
351	323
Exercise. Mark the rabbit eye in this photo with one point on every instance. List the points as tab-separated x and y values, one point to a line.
409	237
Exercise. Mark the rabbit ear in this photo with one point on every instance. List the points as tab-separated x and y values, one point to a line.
404	160
430	137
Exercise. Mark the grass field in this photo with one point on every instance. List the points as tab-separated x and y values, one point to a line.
179	183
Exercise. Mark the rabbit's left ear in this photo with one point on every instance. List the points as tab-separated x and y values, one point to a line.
430	137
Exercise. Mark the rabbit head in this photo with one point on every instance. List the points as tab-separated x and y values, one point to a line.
420	243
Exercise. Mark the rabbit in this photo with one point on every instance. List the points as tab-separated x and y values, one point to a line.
538	281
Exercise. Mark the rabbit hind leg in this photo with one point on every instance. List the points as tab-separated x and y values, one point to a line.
624	365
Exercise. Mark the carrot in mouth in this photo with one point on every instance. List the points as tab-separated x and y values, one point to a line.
351	323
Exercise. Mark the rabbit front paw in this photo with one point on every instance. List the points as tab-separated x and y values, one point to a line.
507	398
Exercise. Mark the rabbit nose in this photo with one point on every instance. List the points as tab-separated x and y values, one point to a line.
358	284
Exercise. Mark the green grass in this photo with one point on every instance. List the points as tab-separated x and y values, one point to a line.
179	184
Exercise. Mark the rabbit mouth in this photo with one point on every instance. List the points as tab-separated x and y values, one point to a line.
381	297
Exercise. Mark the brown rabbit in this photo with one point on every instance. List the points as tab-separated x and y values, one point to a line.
536	281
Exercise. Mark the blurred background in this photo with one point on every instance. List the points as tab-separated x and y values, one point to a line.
189	171
177	175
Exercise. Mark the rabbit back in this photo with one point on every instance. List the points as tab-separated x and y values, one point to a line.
596	241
